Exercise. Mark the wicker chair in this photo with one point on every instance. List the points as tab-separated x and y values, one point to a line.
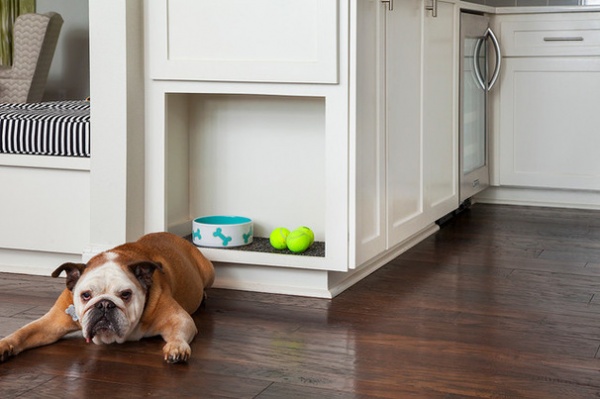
35	37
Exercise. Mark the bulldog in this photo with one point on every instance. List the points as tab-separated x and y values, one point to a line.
146	288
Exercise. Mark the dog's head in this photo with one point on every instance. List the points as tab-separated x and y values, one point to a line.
109	295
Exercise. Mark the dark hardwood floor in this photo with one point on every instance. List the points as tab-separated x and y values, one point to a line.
503	302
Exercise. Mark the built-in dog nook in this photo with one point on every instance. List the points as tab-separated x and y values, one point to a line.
258	156
259	128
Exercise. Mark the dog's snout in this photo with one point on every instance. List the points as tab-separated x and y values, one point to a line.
105	304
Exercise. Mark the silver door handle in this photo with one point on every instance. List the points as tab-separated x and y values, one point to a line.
433	8
476	66
390	4
490	33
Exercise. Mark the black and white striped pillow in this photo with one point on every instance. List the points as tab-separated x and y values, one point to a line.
59	128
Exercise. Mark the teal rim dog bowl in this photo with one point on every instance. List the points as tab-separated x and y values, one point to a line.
222	231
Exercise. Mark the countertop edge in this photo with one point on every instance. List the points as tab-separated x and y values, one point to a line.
545	9
465	5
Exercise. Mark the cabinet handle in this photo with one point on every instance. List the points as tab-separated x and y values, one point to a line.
390	4
564	39
433	8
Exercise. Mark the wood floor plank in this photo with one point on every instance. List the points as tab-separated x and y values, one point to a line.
288	391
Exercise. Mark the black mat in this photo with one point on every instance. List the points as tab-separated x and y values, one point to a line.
260	244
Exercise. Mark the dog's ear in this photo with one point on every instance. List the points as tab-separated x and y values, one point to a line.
73	270
143	272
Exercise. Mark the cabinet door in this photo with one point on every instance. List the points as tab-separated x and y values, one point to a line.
240	40
549	123
440	123
404	166
369	96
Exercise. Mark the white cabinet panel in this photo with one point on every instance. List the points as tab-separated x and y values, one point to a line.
549	123
48	211
241	40
371	234
440	124
404	120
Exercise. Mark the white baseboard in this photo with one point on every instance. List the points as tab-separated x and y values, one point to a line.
578	199
33	262
272	279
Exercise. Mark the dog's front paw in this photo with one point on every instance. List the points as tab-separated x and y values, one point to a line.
177	352
7	350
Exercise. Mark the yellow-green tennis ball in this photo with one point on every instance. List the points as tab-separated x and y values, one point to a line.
309	232
298	241
278	238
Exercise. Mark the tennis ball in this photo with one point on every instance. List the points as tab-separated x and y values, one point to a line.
298	241
278	238
309	232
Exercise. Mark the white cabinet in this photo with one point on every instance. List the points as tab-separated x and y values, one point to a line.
240	40
406	130
549	123
548	102
360	144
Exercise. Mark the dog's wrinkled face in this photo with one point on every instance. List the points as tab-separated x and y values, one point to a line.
109	298
108	303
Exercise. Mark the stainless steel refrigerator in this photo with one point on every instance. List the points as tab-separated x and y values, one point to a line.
479	67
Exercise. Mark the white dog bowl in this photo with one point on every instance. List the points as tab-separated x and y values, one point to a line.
222	231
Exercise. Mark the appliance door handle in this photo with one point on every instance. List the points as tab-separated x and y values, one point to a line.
476	65
490	33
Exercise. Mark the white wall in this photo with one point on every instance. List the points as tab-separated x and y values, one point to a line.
69	76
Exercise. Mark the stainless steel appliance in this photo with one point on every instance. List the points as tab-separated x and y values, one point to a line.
476	81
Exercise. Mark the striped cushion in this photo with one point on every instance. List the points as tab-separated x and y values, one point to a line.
58	128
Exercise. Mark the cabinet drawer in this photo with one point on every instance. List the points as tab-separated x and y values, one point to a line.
538	37
239	40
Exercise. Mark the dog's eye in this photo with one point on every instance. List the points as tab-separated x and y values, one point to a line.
86	296
126	295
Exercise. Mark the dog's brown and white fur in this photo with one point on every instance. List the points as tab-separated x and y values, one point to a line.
146	288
